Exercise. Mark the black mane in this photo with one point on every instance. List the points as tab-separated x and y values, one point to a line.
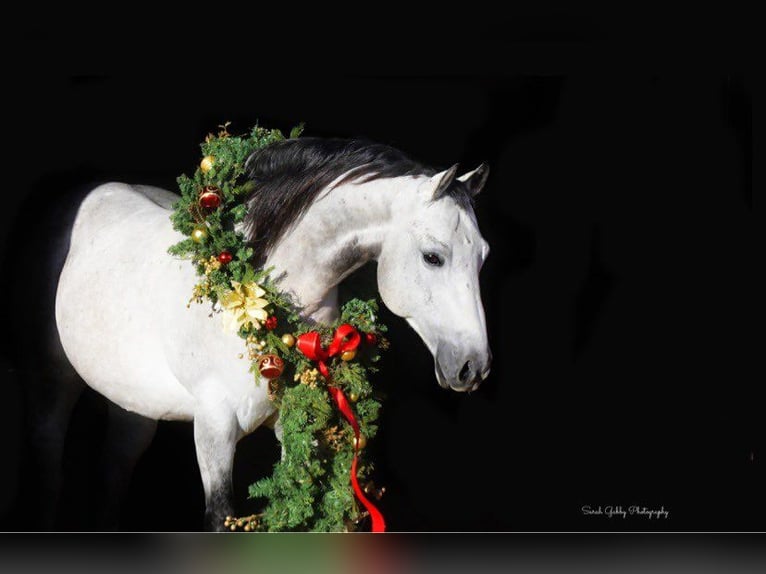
289	175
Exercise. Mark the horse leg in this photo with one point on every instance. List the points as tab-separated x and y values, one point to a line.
51	400
215	439
128	436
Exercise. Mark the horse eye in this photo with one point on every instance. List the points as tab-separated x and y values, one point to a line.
433	259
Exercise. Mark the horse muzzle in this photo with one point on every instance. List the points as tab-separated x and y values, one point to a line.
462	374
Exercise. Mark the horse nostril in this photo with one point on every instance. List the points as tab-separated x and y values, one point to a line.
465	372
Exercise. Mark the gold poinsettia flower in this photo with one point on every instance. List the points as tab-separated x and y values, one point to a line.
242	305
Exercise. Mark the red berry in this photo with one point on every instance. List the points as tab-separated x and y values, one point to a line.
271	323
370	338
224	257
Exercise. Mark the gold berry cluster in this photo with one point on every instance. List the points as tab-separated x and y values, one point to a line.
254	346
309	377
333	436
212	264
246	523
199	293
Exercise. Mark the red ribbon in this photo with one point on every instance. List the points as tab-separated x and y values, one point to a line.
346	338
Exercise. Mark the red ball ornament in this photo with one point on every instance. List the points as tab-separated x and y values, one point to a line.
224	257
270	366
370	338
210	197
270	323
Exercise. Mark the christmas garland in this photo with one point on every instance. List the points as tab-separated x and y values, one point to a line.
317	376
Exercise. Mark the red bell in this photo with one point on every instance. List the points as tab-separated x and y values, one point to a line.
210	197
270	366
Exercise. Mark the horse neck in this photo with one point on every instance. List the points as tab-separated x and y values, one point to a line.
341	231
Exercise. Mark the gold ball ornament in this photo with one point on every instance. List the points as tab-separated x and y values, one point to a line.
353	397
288	339
348	355
199	234
207	163
361	443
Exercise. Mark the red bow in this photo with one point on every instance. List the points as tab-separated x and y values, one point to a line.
346	338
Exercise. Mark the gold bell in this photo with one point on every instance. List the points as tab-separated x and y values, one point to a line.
361	442
206	164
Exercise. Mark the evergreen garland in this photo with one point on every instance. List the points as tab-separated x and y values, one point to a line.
310	487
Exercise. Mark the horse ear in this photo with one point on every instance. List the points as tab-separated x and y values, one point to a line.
442	180
476	179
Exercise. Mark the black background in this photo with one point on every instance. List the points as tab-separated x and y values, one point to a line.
619	293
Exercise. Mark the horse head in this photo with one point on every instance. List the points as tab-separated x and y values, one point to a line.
428	273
